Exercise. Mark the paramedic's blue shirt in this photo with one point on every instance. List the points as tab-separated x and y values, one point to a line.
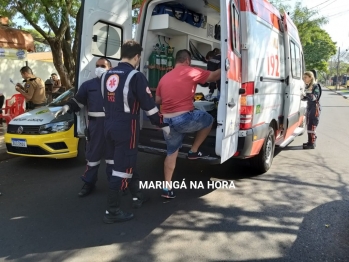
137	96
89	94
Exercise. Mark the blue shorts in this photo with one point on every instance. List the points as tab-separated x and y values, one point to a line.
186	123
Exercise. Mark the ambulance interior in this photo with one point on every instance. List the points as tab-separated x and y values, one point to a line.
199	33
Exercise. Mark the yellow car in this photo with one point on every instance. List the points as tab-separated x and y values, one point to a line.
38	133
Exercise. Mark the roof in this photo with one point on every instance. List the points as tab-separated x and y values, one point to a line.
41	56
15	38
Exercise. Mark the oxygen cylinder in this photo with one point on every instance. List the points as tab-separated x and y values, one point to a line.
153	76
157	63
163	61
170	59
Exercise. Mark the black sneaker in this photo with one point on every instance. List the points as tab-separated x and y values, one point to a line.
168	194
196	155
137	202
86	189
309	146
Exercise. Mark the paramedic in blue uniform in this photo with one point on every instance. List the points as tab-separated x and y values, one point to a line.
312	96
89	95
125	92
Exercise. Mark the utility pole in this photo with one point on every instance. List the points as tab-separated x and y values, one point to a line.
337	83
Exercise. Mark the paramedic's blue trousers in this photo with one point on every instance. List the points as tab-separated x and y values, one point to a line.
121	136
313	116
95	149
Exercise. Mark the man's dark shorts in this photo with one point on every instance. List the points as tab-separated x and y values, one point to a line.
189	122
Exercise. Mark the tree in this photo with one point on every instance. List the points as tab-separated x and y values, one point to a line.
55	21
308	23
318	50
57	24
317	44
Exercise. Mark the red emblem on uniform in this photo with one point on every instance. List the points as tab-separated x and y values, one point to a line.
112	83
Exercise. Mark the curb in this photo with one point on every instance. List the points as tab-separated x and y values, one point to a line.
339	93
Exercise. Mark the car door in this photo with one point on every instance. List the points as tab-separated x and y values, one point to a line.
105	25
228	118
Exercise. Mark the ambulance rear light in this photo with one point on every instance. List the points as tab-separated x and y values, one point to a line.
246	106
246	110
246	115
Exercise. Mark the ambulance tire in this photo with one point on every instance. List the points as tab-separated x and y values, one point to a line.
81	150
262	162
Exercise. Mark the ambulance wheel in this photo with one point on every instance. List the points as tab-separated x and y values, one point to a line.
262	162
81	150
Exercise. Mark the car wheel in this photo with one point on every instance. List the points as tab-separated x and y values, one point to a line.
262	162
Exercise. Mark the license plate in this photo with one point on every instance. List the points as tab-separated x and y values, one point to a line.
19	142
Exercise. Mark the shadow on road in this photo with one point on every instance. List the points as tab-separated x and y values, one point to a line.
323	234
44	220
41	212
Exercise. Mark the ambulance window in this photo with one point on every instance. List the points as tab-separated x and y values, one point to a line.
295	61
235	27
106	40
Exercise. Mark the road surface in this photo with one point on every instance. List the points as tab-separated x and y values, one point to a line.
298	211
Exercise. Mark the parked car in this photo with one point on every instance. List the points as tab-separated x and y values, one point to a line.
38	133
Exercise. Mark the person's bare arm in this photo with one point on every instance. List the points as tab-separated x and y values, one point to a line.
158	100
214	76
29	95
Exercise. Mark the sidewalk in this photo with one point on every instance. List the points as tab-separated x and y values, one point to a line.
342	91
3	151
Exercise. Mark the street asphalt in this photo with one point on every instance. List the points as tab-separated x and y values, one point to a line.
298	211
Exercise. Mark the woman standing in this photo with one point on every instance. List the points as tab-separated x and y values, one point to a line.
312	95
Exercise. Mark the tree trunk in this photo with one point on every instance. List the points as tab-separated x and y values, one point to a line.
69	62
76	42
57	54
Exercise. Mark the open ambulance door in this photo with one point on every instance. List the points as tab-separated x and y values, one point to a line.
293	82
105	25
228	117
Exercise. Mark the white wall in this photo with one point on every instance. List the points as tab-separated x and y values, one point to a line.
10	69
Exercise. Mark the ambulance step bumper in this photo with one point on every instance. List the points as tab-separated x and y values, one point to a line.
297	132
159	151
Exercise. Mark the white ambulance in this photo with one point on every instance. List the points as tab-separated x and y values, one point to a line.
262	66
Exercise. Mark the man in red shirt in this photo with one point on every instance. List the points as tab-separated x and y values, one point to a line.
175	92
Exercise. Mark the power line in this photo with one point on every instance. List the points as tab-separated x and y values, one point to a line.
326	5
340	13
319	4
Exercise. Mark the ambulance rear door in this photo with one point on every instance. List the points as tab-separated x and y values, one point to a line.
293	81
105	25
228	118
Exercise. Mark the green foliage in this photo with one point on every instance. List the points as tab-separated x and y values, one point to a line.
54	23
318	50
308	23
317	44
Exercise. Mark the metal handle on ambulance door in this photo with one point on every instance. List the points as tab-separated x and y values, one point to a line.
231	104
227	64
